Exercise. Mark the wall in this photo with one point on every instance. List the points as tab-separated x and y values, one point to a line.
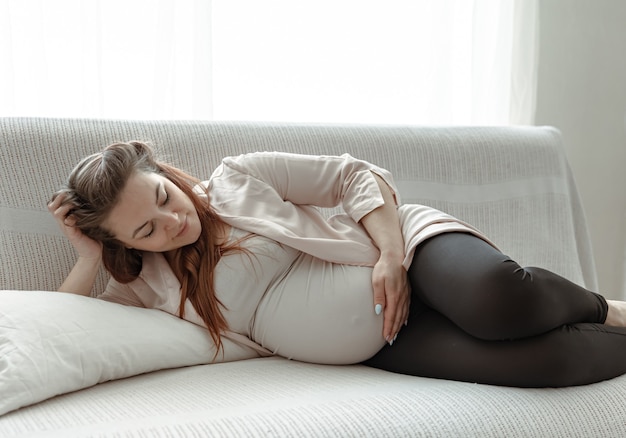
582	91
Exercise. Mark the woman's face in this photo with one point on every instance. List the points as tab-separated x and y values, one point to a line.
154	215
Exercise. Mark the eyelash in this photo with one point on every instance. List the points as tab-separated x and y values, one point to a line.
167	199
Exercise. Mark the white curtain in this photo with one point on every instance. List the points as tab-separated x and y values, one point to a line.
404	61
128	59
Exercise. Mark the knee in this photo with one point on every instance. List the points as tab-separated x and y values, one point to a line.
501	307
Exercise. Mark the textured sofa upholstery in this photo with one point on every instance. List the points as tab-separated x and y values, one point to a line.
513	183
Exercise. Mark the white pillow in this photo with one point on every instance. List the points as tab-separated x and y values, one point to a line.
52	343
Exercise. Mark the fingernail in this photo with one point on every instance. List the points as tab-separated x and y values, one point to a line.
406	322
378	309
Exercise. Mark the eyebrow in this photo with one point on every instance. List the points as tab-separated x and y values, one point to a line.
156	196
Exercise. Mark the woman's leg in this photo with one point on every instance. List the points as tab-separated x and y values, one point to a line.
477	316
433	346
490	296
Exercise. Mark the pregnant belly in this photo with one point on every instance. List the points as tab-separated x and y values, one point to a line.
320	312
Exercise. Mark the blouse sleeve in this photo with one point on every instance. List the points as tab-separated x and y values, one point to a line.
117	292
322	181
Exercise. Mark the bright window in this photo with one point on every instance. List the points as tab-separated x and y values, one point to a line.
404	61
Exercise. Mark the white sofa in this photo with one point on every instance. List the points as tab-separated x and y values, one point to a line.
513	183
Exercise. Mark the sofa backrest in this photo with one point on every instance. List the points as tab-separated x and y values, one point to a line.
513	183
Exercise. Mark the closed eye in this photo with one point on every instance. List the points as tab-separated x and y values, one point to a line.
149	234
165	201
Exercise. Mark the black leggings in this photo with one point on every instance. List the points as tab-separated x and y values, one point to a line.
477	316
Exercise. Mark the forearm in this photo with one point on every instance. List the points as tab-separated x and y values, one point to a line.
383	225
82	277
389	278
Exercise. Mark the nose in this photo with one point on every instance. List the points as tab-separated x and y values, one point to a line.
170	220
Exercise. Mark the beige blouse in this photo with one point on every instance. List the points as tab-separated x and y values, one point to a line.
276	195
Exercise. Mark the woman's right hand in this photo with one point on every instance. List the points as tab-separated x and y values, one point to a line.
86	247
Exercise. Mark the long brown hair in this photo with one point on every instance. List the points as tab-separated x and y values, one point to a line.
93	189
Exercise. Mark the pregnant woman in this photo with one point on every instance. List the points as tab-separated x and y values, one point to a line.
405	288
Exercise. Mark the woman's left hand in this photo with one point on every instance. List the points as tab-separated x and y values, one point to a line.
392	292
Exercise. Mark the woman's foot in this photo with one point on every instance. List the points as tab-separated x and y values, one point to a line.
616	315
